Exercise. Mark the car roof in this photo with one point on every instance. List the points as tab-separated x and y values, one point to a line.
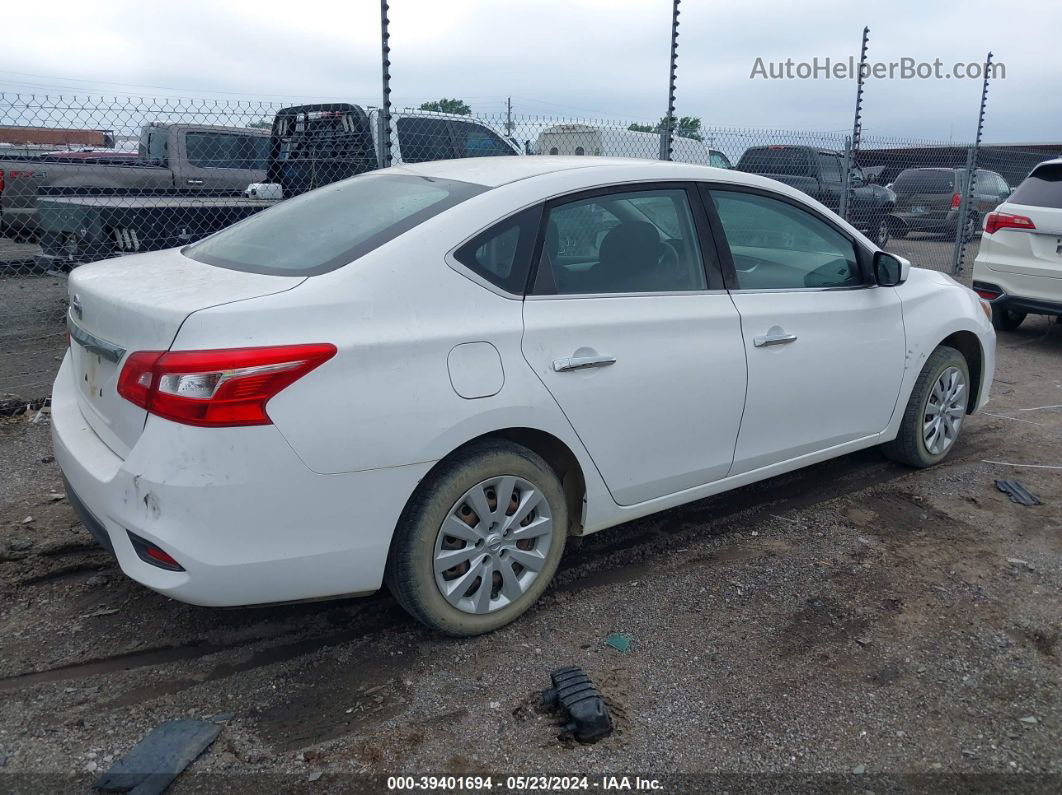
496	171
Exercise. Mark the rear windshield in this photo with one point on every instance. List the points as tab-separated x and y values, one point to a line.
1042	188
792	162
919	180
331	226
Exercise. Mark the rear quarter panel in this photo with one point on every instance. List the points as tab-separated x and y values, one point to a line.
387	398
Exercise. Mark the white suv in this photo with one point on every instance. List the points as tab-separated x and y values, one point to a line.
1019	266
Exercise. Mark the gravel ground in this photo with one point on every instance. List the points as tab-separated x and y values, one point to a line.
854	619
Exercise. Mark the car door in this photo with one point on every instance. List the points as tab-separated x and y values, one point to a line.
220	160
825	347
636	339
830	169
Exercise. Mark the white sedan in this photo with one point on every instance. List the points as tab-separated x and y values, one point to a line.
430	376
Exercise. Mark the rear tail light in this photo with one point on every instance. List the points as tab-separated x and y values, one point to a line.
221	388
1	180
956	200
986	292
996	221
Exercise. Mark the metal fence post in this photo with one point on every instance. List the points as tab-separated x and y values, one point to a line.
962	233
857	129
669	119
846	178
385	106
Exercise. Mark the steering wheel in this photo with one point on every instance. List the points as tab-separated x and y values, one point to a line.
670	263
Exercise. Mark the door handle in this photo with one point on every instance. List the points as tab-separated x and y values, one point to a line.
581	363
193	181
773	338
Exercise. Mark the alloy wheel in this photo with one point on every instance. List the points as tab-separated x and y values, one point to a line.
944	411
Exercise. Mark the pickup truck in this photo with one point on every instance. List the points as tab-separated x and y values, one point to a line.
317	144
171	159
307	147
819	173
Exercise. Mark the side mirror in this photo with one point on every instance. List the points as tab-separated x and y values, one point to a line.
890	270
872	178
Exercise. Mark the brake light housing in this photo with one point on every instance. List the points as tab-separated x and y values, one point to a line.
996	221
216	388
956	201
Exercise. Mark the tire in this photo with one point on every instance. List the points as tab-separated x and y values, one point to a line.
447	497
910	446
1006	319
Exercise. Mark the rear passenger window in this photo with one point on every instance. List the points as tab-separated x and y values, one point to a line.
502	254
641	241
476	141
424	139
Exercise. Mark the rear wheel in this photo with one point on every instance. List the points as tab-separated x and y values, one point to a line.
935	411
479	541
1006	319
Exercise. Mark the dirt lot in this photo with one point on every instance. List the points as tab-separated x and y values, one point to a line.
855	619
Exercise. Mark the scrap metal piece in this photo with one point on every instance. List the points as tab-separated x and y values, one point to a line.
154	762
1017	492
574	693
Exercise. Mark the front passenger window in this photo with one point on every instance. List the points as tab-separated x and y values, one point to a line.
778	246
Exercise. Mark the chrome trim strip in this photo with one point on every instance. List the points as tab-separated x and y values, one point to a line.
92	343
567	297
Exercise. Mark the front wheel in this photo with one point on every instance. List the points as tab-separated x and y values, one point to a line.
935	411
480	540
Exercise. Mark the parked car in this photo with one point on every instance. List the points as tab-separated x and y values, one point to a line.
172	159
404	378
584	139
309	146
1019	263
929	200
819	174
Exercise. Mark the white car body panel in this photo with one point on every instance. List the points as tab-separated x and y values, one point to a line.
306	507
676	389
838	380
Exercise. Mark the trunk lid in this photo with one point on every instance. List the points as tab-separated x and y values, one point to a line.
138	303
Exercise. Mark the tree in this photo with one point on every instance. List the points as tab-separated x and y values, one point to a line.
684	127
458	106
263	124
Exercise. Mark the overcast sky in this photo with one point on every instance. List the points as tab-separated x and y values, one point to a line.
576	58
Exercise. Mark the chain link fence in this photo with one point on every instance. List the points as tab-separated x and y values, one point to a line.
86	178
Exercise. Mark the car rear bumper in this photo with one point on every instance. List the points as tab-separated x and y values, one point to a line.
919	222
239	511
1027	306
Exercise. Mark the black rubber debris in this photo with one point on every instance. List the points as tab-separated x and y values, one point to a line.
575	694
154	762
1017	492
